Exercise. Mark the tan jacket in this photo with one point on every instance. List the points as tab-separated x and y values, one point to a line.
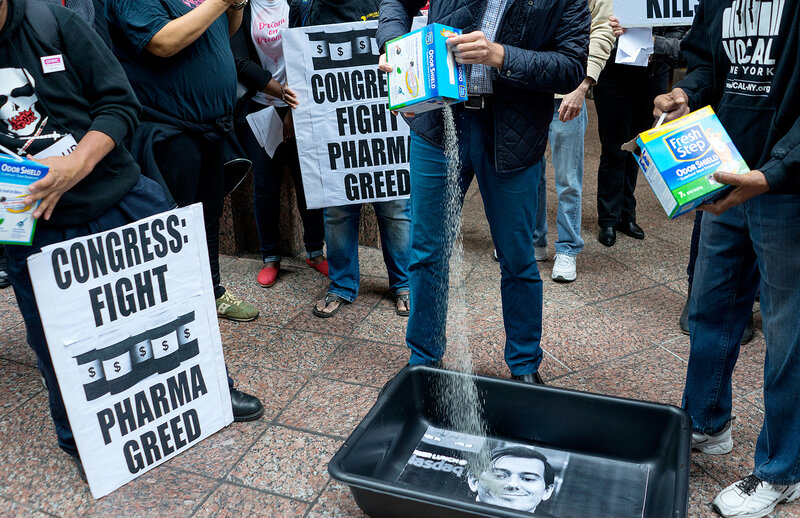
601	38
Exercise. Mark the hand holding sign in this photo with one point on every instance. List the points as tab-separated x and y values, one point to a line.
616	27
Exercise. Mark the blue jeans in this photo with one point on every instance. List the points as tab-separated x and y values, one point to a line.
341	235
510	206
762	235
566	144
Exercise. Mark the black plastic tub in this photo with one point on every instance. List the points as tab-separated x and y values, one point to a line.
609	453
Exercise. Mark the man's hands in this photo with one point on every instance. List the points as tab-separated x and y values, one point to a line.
66	171
572	103
675	104
745	186
475	49
384	66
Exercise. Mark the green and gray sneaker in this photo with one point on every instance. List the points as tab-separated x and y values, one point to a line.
233	308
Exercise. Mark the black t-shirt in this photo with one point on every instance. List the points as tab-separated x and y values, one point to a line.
198	84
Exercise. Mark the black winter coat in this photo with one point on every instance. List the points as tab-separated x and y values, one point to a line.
756	93
546	48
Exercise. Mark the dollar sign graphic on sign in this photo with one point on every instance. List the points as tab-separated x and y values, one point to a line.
340	51
117	367
92	372
186	333
165	345
142	351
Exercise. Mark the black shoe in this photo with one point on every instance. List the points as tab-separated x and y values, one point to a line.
532	378
749	332
608	236
245	406
79	465
684	320
4	281
630	228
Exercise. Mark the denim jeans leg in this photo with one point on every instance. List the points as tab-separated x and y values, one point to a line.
566	143
341	235
693	246
509	203
540	230
428	268
725	282
774	221
394	224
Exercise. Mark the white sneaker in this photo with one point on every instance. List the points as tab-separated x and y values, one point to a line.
719	443
540	253
564	269
752	497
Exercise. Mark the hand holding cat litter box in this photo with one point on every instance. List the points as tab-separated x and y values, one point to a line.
679	160
17	223
423	73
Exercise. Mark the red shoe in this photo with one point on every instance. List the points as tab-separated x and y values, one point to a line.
321	267
267	276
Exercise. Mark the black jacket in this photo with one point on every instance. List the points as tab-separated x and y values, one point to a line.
756	93
92	93
546	47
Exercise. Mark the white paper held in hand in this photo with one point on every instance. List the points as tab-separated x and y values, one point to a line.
267	127
635	46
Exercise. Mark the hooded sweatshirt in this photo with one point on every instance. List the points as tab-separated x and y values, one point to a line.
744	61
42	107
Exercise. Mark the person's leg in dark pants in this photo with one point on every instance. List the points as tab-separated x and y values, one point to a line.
267	175
313	219
192	169
615	113
144	199
644	94
266	194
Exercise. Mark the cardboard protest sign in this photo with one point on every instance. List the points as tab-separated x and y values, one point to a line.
352	148
131	325
655	13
